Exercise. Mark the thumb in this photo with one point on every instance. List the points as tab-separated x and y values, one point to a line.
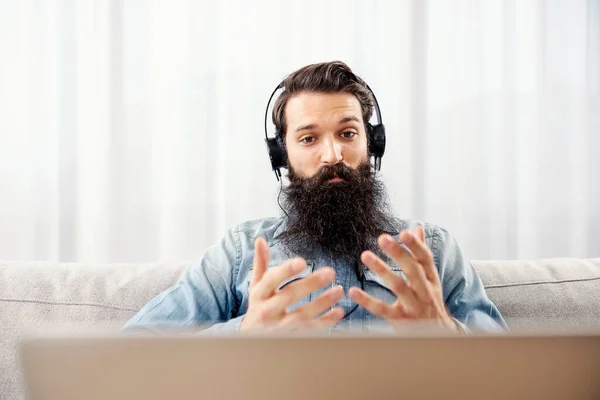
261	261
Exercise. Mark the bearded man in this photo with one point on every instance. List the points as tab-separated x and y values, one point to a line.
337	259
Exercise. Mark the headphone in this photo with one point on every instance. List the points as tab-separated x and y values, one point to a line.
278	156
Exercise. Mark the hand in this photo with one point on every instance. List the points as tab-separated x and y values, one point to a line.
418	299
268	305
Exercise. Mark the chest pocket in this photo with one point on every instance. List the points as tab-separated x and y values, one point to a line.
376	286
303	274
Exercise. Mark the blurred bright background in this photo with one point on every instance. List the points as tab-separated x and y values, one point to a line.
132	130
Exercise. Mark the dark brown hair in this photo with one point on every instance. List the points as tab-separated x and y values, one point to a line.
327	77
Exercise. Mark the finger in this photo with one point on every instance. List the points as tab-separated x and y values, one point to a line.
419	232
295	291
375	306
299	322
329	319
291	322
412	268
276	306
299	289
321	303
421	253
270	281
261	261
394	281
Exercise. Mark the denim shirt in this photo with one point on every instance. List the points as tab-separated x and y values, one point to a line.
213	292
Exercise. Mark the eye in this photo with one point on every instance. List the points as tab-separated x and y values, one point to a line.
307	139
348	134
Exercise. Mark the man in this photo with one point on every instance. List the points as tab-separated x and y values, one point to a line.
337	259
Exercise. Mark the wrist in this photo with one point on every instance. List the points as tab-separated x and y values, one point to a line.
243	323
452	324
458	327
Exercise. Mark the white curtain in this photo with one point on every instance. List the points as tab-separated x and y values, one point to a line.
133	130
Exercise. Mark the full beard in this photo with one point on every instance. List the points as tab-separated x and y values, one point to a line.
344	217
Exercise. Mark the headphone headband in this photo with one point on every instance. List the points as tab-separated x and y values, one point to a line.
376	134
268	104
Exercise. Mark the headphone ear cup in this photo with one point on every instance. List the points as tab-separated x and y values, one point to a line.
276	154
370	138
376	140
282	151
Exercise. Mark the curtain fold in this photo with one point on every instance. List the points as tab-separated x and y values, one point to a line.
133	130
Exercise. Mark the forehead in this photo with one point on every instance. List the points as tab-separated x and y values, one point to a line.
309	107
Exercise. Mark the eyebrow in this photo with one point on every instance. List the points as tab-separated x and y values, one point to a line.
348	119
342	121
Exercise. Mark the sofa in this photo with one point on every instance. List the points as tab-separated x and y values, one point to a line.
43	297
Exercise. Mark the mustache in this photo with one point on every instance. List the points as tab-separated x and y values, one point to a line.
328	172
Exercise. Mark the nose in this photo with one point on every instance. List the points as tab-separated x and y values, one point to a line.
331	153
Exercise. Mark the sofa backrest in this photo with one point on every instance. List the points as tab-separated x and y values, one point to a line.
551	294
38	296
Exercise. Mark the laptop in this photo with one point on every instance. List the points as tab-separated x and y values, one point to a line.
510	366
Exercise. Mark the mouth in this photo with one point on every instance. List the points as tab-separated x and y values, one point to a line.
335	179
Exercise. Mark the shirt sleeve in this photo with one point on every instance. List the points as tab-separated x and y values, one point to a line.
463	289
204	298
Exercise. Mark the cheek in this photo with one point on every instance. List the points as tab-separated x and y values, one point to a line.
303	160
355	155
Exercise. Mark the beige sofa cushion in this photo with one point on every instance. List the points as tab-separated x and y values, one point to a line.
38	297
